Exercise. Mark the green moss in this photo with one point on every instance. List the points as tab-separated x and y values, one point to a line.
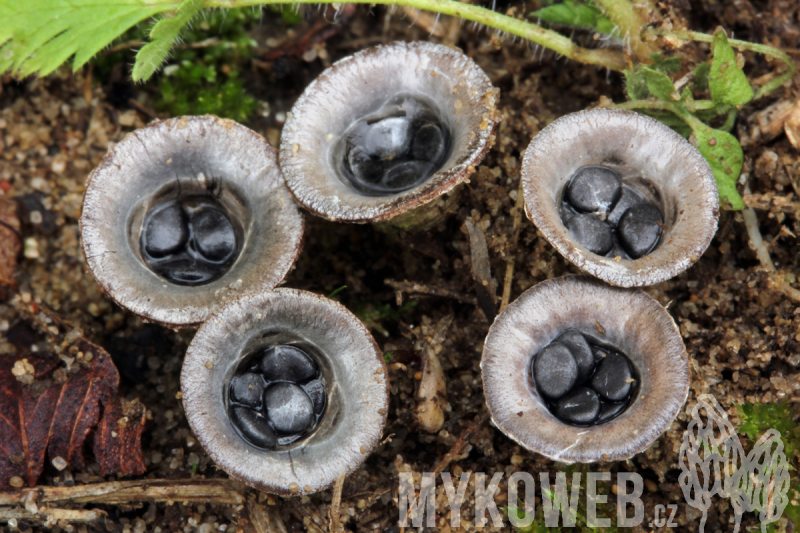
206	80
758	418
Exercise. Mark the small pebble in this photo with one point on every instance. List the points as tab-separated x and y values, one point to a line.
576	342
289	408
594	189
247	389
639	230
287	363
611	381
253	427
592	233
60	463
555	370
578	407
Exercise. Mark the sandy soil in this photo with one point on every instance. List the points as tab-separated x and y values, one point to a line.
743	336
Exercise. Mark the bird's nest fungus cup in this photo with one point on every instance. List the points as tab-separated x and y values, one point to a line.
185	213
388	130
580	371
286	390
620	195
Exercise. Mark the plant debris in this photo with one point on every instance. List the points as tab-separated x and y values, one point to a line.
53	389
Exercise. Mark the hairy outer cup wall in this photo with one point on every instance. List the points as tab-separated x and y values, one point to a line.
644	152
192	152
629	320
357	385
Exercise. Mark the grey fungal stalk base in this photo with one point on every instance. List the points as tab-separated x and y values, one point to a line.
351	365
171	160
628	319
312	146
650	158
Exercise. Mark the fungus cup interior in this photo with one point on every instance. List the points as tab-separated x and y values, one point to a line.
214	160
350	362
651	159
457	91
628	320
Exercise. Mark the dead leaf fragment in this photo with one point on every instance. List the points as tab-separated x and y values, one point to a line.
118	442
41	415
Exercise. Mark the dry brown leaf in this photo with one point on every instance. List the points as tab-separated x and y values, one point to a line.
47	405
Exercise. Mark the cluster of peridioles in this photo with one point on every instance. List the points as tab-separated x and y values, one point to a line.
193	221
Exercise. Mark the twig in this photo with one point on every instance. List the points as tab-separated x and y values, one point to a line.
219	491
51	514
515	229
461	443
266	519
485	284
336	503
756	241
775	280
411	287
782	204
274	519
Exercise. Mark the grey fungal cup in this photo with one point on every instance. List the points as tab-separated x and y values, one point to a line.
387	130
319	373
627	321
653	226
184	213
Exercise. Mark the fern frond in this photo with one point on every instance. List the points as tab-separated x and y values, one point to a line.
36	36
164	34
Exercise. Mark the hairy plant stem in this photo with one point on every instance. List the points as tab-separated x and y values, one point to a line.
739	45
630	22
560	44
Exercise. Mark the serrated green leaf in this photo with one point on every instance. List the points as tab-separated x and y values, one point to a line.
636	84
724	153
36	36
660	85
726	80
701	76
163	36
576	14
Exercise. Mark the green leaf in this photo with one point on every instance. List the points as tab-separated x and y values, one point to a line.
726	80
660	85
576	14
636	84
701	76
724	154
36	36
153	54
669	65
